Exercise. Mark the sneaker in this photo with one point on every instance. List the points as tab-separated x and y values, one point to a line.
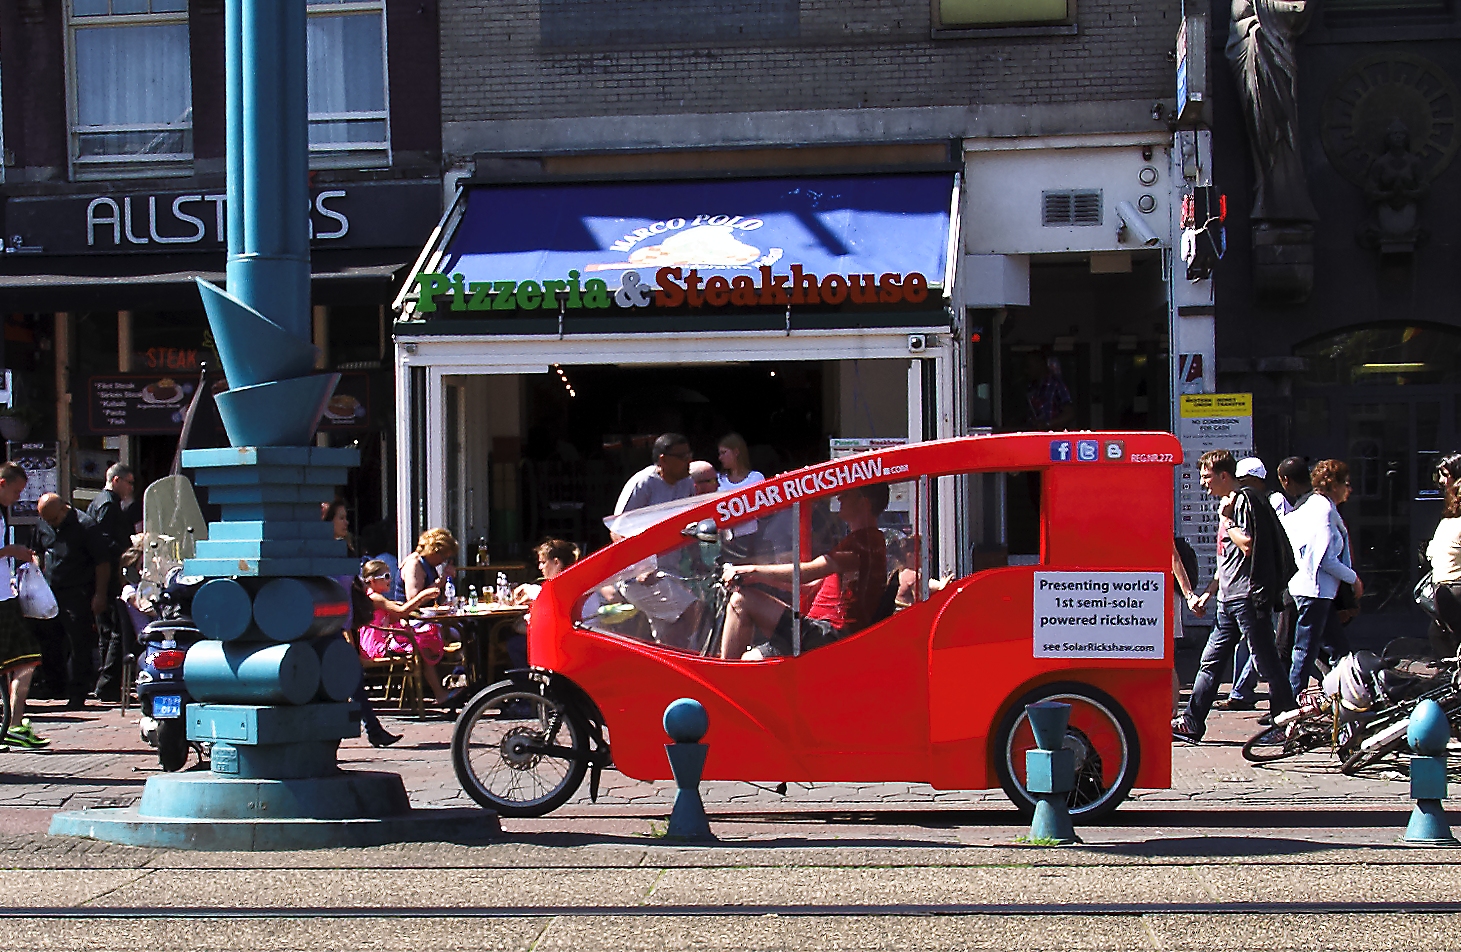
25	736
1235	704
1182	729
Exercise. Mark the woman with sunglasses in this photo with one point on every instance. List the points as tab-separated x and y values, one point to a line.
1322	551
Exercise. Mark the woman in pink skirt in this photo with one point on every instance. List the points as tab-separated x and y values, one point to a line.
389	633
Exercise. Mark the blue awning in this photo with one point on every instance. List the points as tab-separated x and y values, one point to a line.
863	224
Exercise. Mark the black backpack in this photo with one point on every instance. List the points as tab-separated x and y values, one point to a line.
1273	555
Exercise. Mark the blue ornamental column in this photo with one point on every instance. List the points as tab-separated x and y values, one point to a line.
274	676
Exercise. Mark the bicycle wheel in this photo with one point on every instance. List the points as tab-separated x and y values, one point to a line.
1276	743
519	752
1391	739
1101	735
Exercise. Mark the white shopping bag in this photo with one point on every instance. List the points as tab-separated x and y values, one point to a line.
36	598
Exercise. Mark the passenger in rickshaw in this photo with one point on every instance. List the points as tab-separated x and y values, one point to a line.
846	584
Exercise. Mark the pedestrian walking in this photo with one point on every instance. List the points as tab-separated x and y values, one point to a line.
20	653
109	511
77	564
1444	555
1320	541
1245	541
1294	490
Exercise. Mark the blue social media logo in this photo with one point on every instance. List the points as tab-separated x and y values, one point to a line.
1087	451
1060	450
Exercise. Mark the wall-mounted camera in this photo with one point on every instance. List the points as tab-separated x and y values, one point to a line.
917	343
1135	222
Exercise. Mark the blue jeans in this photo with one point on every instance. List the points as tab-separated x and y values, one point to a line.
1317	629
1245	672
1237	619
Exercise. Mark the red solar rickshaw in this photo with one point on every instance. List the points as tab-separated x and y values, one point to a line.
932	689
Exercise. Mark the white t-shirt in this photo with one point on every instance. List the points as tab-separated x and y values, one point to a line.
725	484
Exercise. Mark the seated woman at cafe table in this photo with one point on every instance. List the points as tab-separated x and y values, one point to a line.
423	568
846	584
386	633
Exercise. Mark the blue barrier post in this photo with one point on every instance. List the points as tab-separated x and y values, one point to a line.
1427	735
1050	774
686	722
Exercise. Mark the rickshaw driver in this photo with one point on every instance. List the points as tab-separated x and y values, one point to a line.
849	581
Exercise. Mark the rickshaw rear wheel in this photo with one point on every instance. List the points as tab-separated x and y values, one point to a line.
518	751
1102	736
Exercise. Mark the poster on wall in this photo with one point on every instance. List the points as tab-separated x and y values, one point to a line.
900	495
1208	421
138	404
42	475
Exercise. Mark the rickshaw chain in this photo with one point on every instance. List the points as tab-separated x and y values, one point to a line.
931	910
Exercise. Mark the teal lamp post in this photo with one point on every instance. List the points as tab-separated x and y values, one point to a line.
274	677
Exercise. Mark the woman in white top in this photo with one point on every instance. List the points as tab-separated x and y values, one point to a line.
20	653
1444	553
1321	549
735	460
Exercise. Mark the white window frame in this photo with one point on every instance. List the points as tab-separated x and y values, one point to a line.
355	155
119	166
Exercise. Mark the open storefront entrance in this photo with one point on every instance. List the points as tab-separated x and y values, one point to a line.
538	450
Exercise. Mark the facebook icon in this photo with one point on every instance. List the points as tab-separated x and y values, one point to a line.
1060	450
1087	451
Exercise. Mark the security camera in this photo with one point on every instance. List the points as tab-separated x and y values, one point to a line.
1136	222
917	343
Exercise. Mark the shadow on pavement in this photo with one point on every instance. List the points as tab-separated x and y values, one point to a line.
1215	846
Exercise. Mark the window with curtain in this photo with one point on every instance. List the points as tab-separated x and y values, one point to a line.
131	96
349	122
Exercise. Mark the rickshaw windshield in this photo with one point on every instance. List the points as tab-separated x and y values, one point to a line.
626	524
722	593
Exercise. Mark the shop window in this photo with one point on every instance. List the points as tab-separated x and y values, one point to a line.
349	122
1390	355
130	90
955	18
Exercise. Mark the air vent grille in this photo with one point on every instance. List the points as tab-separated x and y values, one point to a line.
1073	207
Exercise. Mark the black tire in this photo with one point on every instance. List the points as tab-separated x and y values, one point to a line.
1363	758
490	749
172	744
1108	751
1276	743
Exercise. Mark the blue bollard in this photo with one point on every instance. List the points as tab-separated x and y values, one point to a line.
1050	773
1427	735
686	722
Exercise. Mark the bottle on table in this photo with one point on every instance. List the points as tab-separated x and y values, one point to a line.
504	590
472	597
449	591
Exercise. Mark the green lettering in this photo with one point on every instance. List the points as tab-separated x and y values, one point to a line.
595	293
429	284
573	299
550	293
502	295
458	292
480	300
528	295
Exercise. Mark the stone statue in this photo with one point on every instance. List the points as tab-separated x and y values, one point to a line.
1394	186
1261	51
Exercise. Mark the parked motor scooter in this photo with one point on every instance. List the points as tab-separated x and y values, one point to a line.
160	689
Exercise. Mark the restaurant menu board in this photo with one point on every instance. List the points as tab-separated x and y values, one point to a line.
349	408
147	404
1208	421
138	404
42	475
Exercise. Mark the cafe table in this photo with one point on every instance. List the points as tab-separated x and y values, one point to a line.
482	628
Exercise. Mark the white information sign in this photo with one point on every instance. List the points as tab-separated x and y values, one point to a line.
1100	615
1208	421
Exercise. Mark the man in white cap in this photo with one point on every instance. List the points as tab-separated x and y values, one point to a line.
1251	475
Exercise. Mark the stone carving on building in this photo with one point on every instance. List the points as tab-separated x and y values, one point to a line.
1261	51
1389	126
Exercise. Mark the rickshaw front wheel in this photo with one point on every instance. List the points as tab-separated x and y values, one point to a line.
518	751
1101	735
